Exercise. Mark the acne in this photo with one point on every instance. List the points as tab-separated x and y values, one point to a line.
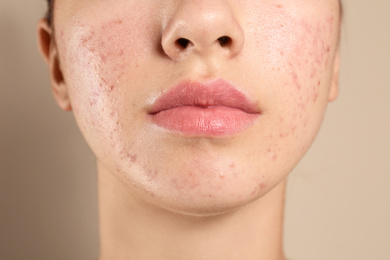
101	42
301	47
151	174
260	186
298	46
190	181
314	45
106	51
129	157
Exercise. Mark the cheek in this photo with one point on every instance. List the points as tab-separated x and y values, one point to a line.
295	53
296	49
99	58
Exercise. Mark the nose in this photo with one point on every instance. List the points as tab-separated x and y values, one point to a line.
202	27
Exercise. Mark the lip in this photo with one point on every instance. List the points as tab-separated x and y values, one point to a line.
212	108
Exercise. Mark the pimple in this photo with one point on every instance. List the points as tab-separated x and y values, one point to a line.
273	153
259	188
293	128
151	174
130	157
133	158
296	80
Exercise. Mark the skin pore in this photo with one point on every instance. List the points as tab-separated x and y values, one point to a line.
169	195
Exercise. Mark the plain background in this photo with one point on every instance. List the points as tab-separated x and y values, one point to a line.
338	201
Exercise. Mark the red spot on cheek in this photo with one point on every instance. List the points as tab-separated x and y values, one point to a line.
296	81
273	153
105	43
260	187
151	174
131	157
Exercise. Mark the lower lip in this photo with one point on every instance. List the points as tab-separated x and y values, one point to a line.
210	121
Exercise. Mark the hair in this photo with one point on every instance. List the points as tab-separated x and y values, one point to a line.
49	13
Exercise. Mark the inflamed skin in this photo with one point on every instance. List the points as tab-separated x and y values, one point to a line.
196	112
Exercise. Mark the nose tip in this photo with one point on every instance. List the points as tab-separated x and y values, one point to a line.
202	27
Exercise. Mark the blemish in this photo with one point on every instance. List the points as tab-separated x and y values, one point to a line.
132	158
293	129
151	174
259	188
261	185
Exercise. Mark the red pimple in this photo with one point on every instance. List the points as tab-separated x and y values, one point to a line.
261	185
293	129
315	97
131	157
296	81
151	174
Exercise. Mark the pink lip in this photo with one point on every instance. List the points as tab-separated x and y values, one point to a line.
213	108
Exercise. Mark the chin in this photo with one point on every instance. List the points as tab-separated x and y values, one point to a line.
210	198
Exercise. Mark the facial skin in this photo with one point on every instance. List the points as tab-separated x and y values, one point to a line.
112	59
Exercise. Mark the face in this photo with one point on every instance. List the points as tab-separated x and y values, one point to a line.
200	106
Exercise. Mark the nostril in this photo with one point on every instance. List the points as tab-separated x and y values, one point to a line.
224	40
182	42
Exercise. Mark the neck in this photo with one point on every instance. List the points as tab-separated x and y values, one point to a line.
133	229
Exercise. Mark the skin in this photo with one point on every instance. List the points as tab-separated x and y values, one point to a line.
165	195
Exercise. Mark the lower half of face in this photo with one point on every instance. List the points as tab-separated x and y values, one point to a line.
165	109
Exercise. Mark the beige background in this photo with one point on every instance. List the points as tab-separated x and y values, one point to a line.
338	203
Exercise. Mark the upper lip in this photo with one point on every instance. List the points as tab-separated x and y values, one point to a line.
212	93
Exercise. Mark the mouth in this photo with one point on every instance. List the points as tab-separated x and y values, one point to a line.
213	108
